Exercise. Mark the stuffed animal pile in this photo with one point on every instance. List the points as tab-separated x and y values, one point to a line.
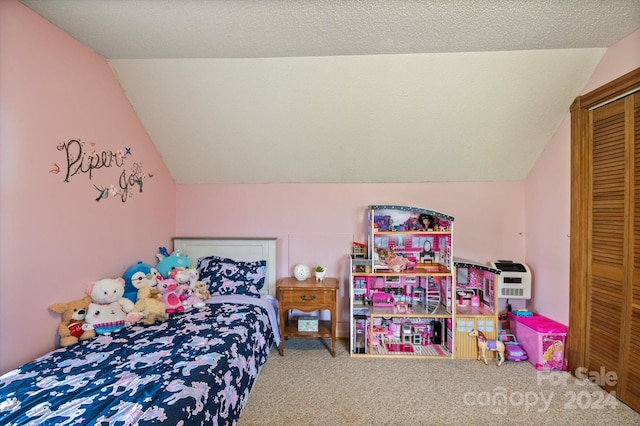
144	294
186	288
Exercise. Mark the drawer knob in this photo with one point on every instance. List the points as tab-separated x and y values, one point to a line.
307	298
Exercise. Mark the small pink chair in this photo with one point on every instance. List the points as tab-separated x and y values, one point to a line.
391	333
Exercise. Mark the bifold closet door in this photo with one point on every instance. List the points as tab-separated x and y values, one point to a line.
613	278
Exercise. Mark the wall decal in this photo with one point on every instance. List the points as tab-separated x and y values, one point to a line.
80	162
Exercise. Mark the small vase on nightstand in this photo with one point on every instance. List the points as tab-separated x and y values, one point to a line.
320	273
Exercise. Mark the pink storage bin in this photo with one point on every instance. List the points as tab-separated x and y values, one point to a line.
542	338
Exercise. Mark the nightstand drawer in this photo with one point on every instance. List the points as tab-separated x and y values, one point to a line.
306	297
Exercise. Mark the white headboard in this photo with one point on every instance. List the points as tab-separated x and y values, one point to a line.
240	249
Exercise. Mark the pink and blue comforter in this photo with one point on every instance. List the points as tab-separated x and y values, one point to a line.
196	368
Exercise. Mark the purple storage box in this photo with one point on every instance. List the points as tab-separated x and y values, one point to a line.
542	338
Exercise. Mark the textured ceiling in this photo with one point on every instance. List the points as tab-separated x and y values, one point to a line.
348	91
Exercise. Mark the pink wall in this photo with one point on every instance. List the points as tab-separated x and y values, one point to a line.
619	59
53	89
548	195
54	236
316	223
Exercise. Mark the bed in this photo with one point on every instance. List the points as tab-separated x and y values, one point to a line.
198	367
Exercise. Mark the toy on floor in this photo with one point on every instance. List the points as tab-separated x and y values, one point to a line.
514	351
485	345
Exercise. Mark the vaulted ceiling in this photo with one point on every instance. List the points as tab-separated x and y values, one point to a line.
258	91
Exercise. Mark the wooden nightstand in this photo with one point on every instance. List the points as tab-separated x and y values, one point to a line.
307	296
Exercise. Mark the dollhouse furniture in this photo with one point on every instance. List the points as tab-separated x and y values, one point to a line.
160	374
307	296
476	307
359	250
407	332
384	335
417	337
408	280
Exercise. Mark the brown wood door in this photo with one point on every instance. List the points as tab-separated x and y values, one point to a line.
630	392
604	312
606	281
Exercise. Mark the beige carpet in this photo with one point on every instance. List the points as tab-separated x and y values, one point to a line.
308	387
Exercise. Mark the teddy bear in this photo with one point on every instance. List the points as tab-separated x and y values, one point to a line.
107	291
108	310
149	304
73	314
201	291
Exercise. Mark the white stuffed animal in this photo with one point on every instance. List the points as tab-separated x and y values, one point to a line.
193	285
108	310
109	290
105	319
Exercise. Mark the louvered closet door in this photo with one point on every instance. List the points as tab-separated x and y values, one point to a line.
630	393
607	242
613	312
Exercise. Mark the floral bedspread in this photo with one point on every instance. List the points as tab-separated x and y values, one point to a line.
196	368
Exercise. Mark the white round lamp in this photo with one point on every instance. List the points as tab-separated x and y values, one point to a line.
301	272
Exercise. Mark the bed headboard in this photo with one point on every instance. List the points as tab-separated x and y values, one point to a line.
240	249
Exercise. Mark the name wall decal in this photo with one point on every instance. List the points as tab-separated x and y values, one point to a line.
80	161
